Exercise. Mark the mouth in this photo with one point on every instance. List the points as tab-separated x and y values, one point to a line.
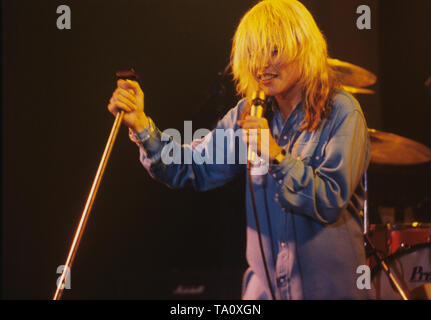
267	77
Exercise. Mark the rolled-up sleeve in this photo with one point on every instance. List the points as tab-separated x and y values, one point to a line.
322	193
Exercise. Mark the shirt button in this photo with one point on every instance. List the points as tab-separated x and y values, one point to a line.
282	281
274	175
280	181
285	137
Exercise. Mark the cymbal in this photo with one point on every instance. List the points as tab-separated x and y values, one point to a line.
351	75
354	90
391	149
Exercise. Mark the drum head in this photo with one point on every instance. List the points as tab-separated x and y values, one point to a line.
411	268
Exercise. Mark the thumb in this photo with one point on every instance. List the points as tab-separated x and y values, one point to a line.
131	86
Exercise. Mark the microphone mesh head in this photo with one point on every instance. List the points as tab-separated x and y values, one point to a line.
258	98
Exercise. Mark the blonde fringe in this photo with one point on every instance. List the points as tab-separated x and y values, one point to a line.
284	31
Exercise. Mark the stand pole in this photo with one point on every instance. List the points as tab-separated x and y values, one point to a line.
366	218
385	267
88	205
374	251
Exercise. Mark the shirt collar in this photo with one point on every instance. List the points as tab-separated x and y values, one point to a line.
295	117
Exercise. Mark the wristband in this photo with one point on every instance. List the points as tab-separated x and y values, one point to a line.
144	135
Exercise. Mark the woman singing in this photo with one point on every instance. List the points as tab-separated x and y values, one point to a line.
307	242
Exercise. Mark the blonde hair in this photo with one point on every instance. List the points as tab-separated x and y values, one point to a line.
284	31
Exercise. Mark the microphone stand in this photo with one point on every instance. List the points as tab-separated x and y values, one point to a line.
372	249
127	74
88	205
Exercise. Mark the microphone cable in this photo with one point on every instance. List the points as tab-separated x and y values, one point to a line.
259	100
256	218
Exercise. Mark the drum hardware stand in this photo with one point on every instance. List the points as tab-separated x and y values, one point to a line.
93	191
380	259
366	219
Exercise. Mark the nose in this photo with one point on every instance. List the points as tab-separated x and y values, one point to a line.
263	70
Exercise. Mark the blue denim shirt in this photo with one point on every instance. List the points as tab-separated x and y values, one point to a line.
309	204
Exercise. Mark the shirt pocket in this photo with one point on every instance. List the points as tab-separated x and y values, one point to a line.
305	152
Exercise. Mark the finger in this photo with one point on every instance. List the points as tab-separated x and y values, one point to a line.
124	106
253	118
123	85
126	101
113	108
127	94
247	122
251	125
136	88
130	85
263	122
123	100
119	106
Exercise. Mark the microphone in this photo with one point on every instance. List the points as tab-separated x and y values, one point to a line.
256	110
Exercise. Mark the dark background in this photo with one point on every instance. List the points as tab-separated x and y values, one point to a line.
143	240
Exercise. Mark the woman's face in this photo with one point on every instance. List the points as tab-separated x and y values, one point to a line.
278	79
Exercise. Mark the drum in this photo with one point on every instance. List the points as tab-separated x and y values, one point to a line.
407	248
391	238
411	267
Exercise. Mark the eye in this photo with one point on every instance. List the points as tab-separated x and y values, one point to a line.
275	52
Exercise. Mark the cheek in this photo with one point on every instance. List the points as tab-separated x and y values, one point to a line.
287	78
287	81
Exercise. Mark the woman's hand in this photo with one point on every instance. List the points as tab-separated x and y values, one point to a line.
128	97
267	148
